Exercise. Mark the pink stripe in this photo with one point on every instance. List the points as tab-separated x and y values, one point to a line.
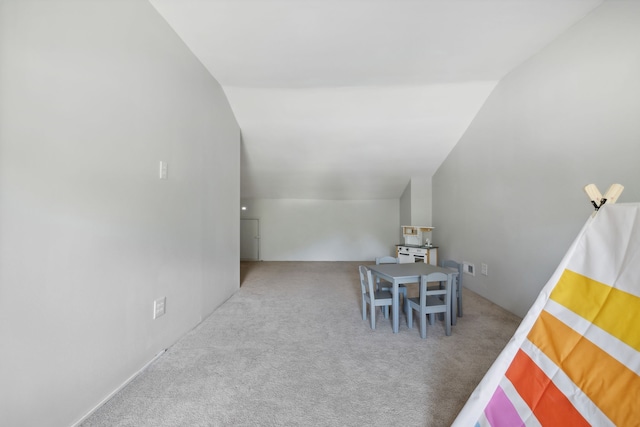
500	411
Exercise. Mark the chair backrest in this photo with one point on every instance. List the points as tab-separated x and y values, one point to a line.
366	281
425	291
449	263
386	260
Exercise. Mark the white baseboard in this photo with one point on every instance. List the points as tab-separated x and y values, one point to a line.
114	392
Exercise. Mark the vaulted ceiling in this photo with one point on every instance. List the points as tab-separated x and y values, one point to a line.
349	99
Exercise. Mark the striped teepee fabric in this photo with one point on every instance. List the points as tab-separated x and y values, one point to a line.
575	360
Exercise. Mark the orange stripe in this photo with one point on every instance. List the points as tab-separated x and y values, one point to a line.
613	387
613	310
550	406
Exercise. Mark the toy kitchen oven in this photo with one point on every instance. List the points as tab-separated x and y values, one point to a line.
417	247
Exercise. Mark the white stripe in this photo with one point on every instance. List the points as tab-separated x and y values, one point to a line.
483	421
609	252
616	348
523	410
576	396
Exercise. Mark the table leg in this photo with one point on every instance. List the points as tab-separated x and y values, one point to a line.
454	301
395	307
449	315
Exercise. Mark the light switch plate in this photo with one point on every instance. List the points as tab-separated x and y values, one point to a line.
159	307
164	170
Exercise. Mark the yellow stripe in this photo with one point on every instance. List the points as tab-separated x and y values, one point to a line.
615	311
610	385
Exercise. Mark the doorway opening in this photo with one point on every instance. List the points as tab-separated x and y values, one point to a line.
249	240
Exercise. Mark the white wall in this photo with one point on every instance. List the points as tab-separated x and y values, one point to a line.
510	194
421	196
94	94
405	210
415	204
324	230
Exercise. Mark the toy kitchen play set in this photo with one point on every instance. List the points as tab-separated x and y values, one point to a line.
417	246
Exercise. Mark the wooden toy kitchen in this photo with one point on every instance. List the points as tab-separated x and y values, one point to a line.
417	246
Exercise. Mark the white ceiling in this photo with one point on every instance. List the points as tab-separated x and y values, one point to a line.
349	99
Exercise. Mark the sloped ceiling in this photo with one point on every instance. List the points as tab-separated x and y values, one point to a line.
349	99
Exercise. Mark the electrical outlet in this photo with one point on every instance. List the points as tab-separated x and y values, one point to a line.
485	269
159	307
468	268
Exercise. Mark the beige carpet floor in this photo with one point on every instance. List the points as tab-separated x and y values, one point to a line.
290	348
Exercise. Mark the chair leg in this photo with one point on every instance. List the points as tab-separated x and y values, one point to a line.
447	321
407	310
423	326
386	311
409	316
364	309
460	302
432	319
373	316
454	306
404	298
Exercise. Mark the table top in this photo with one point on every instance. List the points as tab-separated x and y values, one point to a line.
409	270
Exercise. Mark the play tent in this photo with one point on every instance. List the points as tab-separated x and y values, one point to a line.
575	358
